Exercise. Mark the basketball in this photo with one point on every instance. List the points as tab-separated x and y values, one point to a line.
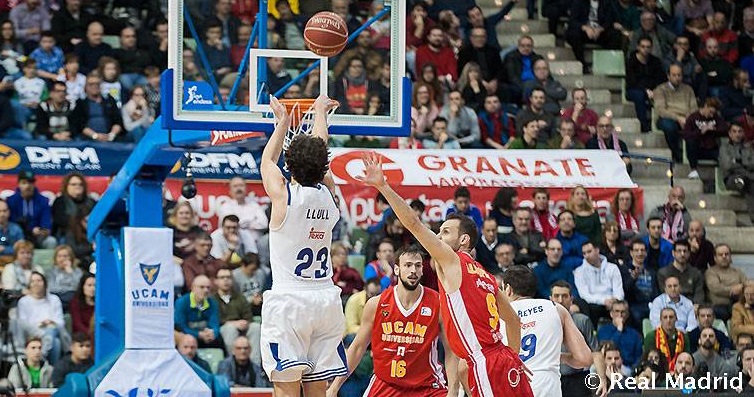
326	34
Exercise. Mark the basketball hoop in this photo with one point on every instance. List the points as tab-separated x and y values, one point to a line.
301	113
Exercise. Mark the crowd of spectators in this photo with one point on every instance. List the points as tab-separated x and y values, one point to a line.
654	285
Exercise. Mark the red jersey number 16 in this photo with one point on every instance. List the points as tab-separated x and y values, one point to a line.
397	369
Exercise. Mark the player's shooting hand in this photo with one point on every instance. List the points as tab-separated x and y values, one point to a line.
324	104
278	109
373	175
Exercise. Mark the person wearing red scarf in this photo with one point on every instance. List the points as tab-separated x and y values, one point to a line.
667	339
623	211
542	219
674	214
607	139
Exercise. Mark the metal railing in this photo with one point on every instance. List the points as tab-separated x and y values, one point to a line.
648	160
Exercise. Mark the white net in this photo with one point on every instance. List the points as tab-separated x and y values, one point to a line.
301	114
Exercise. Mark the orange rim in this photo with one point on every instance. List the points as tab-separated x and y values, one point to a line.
297	108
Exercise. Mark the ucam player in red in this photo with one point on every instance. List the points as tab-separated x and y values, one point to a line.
471	305
545	327
403	326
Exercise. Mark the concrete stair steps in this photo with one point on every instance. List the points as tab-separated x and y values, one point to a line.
637	141
736	236
616	110
745	262
566	68
596	96
521	27
658	188
626	125
517	13
715	217
655	151
591	82
658	171
555	53
727	201
540	40
742	219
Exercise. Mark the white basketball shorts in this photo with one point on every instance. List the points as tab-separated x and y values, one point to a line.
302	335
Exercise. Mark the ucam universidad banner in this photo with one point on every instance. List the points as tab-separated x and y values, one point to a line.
150	365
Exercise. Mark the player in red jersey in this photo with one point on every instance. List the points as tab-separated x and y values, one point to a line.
404	327
471	305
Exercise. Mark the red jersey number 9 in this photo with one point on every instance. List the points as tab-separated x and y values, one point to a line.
492	308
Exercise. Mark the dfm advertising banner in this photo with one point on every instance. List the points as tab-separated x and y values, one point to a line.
429	175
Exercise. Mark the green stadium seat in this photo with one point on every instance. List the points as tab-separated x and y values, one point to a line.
44	259
212	356
646	327
113	41
608	63
720	187
357	261
359	234
720	326
190	43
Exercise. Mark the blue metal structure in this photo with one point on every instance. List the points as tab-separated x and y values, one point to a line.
134	196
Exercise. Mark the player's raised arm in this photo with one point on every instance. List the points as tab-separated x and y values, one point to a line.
272	177
442	253
359	345
322	106
511	319
579	354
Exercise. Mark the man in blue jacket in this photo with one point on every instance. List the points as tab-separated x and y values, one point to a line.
31	210
552	269
628	339
198	315
9	231
571	240
659	249
462	205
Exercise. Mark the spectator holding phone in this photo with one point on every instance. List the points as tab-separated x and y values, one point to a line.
138	116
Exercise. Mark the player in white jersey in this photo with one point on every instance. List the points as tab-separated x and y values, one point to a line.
545	326
302	316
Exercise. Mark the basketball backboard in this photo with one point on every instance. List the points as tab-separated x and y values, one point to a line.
192	96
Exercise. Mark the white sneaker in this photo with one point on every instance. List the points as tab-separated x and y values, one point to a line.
693	174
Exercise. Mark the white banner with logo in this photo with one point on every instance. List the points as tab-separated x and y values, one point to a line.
152	373
489	168
149	288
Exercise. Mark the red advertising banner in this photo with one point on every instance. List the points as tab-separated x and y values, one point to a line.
357	201
489	168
